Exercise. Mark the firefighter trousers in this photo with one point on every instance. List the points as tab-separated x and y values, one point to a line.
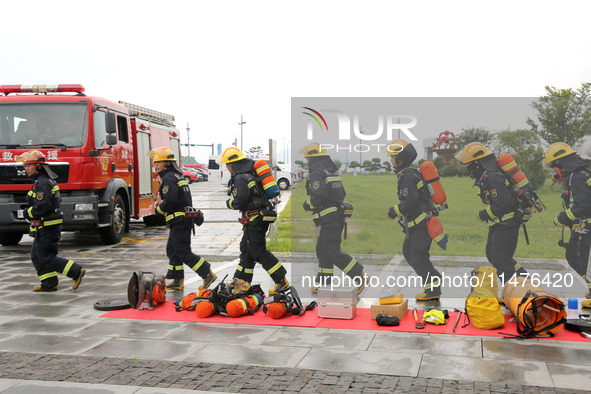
328	251
500	248
253	249
415	250
178	250
45	259
577	253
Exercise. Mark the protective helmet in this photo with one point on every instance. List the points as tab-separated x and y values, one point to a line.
556	151
161	154
230	155
313	149
473	151
395	147
31	157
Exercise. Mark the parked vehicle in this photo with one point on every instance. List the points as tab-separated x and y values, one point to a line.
97	147
190	175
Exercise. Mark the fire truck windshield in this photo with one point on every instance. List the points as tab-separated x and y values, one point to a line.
34	124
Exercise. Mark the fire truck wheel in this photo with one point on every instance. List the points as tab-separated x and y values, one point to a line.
7	239
283	184
113	234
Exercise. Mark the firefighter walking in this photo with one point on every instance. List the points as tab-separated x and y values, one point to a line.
175	196
247	196
574	173
326	197
46	220
412	213
502	214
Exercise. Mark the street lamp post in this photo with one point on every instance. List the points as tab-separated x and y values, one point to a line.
241	123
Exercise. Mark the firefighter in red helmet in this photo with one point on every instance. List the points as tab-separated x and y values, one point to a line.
43	201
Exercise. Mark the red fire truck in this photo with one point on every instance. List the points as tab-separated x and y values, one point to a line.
97	147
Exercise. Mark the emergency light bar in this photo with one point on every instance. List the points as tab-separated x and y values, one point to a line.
136	110
41	88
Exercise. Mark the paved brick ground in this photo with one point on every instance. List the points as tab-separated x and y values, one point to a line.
231	378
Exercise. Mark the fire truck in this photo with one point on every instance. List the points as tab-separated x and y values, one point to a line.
97	147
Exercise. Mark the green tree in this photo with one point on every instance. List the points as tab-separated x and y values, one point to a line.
474	134
387	165
301	163
564	115
439	162
525	147
366	164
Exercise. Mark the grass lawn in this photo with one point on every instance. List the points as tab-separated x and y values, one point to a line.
370	231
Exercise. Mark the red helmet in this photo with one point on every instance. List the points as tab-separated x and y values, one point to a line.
31	157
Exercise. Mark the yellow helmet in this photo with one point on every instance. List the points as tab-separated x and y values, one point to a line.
31	157
473	151
395	147
556	151
313	149
161	154
230	155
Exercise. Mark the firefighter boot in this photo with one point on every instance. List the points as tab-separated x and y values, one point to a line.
176	284
41	288
364	279
208	280
323	282
78	279
282	285
433	294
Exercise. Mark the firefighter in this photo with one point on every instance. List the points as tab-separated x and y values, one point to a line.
574	173
502	214
326	196
175	196
46	220
411	212
247	196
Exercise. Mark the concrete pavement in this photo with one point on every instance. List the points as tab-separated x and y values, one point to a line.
58	341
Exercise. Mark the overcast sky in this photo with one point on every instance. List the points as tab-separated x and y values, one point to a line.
207	63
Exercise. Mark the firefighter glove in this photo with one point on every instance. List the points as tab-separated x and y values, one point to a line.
307	206
392	213
562	220
483	215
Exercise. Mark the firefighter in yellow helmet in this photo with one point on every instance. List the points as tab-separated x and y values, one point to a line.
43	201
248	197
412	210
576	194
175	196
502	214
326	197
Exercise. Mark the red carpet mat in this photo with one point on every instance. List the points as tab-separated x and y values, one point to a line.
362	321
